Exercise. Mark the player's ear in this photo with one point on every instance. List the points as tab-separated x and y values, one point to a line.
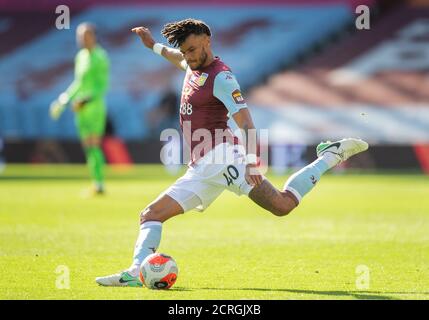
207	41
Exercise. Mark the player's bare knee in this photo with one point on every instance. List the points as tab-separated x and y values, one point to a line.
281	210
284	205
149	214
279	213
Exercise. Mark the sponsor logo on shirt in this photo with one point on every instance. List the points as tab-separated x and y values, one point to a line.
187	92
229	76
238	98
193	78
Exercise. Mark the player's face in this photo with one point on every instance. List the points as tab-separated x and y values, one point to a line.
86	38
195	49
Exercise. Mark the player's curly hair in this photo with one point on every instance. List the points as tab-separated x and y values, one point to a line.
177	32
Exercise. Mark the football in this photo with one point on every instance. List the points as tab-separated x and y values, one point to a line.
158	271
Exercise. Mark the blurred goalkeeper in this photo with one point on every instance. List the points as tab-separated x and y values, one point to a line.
86	96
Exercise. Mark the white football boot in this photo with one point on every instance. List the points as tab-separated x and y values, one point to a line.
343	149
123	279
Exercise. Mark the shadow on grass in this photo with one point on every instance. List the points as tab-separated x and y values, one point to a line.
180	289
364	295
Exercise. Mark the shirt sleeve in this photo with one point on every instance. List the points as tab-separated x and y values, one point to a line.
101	73
76	85
227	90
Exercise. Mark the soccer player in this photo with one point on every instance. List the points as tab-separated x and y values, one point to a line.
210	91
86	95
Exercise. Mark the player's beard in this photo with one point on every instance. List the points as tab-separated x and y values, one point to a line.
203	59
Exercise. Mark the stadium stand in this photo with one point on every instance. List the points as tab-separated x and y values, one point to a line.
254	42
336	81
370	84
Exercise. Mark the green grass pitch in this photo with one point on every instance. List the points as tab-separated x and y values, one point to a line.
234	250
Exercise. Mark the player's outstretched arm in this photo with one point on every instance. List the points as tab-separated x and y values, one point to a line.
245	123
227	90
58	106
171	54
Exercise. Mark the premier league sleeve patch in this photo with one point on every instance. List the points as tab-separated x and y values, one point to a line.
227	90
238	98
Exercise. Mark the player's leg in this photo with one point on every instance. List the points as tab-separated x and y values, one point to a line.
277	202
95	160
151	220
148	240
91	128
174	201
281	202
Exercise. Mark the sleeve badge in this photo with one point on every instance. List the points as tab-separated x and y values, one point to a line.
238	98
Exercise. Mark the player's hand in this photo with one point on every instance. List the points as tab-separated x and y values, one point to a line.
253	176
145	36
56	109
78	105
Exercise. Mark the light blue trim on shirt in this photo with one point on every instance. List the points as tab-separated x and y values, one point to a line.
224	85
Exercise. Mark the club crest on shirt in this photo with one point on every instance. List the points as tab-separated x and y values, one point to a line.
202	79
238	98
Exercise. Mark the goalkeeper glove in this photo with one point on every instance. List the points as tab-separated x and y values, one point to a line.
57	107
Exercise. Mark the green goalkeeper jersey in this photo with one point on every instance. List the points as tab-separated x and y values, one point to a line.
90	83
91	75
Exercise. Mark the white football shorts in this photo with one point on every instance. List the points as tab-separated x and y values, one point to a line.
221	168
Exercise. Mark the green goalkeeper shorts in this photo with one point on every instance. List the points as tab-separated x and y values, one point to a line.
91	120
